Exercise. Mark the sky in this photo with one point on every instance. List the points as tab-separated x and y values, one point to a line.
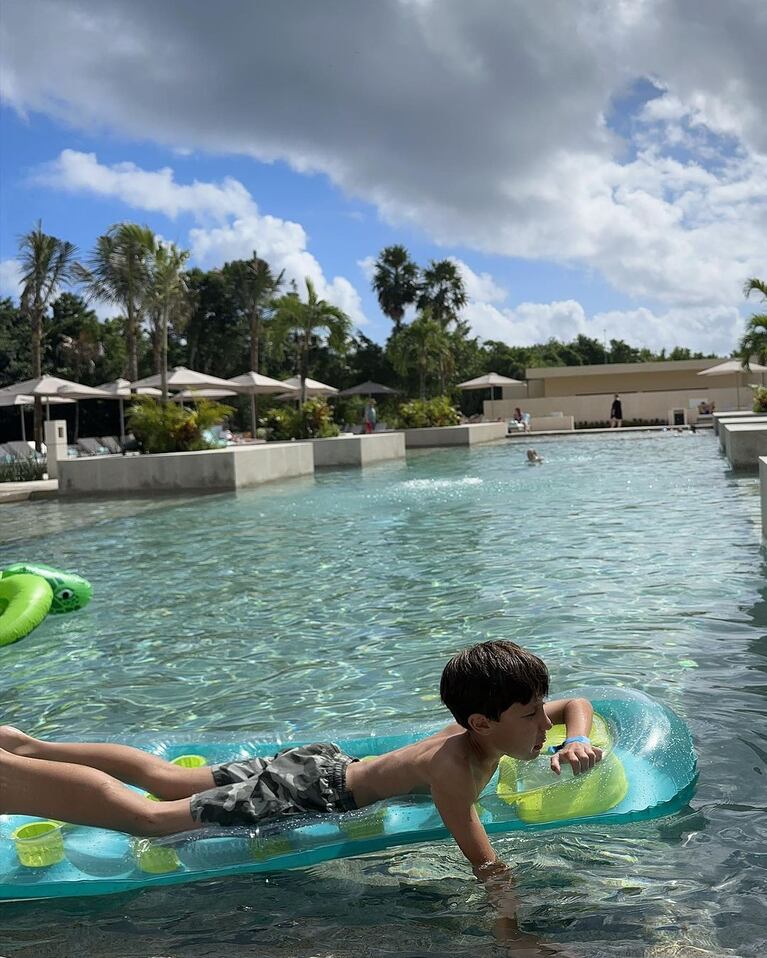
596	167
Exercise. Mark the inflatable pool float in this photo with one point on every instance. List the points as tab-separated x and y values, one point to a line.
648	771
30	591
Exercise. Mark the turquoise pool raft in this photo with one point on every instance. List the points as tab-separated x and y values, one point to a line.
648	771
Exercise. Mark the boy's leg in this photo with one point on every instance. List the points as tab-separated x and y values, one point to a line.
84	796
131	765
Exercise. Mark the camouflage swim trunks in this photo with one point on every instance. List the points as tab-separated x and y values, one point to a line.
308	778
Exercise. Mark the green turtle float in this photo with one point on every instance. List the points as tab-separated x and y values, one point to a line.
29	591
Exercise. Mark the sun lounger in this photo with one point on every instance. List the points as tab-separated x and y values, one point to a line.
92	447
112	443
18	450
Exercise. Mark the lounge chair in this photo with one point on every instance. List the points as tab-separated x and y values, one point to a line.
112	443
18	450
92	447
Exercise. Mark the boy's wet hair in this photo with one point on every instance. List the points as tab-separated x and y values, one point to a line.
487	678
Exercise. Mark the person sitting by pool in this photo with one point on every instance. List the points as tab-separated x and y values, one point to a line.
494	690
534	457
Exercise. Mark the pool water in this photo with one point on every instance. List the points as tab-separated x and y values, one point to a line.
329	605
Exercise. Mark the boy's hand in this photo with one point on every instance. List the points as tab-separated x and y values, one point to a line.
580	755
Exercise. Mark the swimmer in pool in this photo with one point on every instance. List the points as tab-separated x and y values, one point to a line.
533	456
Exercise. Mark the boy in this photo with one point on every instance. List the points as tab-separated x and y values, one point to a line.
494	690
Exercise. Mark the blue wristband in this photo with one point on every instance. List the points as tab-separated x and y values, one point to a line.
573	738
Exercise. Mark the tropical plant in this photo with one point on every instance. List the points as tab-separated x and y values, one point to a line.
252	287
422	348
420	413
166	296
443	291
119	271
760	398
47	263
754	341
395	282
316	420
281	423
168	427
299	324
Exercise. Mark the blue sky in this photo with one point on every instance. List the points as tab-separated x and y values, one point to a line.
623	191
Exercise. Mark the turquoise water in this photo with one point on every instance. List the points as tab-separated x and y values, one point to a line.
329	605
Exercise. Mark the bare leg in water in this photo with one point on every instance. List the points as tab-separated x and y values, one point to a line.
83	783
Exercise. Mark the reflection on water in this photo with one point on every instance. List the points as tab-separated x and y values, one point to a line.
330	605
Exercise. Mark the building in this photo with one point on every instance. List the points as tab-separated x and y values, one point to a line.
649	392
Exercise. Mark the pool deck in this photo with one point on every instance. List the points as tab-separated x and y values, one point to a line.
23	491
528	436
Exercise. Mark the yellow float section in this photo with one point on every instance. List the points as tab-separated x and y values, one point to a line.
577	796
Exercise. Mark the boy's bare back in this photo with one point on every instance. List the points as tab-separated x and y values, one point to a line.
414	769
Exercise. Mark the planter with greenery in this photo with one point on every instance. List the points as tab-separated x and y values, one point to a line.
422	413
168	427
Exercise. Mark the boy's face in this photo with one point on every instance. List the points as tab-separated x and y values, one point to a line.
521	730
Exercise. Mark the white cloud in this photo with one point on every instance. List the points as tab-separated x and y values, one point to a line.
10	278
480	286
486	125
238	228
709	330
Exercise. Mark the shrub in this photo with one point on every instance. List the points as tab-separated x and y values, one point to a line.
22	470
760	399
419	413
281	423
316	419
171	428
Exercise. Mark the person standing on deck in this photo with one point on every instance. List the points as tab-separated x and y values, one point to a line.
371	416
616	413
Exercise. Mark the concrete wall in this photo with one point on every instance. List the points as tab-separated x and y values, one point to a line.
743	414
735	419
211	470
763	491
545	423
358	450
468	434
744	443
639	405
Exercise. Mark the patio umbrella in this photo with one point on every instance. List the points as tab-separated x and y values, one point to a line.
488	381
368	389
313	388
254	384
54	386
734	367
22	401
182	378
120	389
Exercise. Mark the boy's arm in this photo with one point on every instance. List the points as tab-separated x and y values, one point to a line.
576	716
454	796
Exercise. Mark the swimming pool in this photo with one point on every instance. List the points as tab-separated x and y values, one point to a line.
330	604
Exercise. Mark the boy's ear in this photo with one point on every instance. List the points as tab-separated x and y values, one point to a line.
479	723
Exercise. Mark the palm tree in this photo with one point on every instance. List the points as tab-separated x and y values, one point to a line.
754	341
47	263
422	347
166	296
395	282
443	291
302	322
119	271
253	287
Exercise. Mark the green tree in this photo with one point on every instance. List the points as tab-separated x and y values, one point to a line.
422	348
74	345
119	271
166	298
252	287
301	323
443	292
47	263
395	282
15	347
754	341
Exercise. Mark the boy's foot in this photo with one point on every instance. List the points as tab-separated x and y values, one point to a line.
15	741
